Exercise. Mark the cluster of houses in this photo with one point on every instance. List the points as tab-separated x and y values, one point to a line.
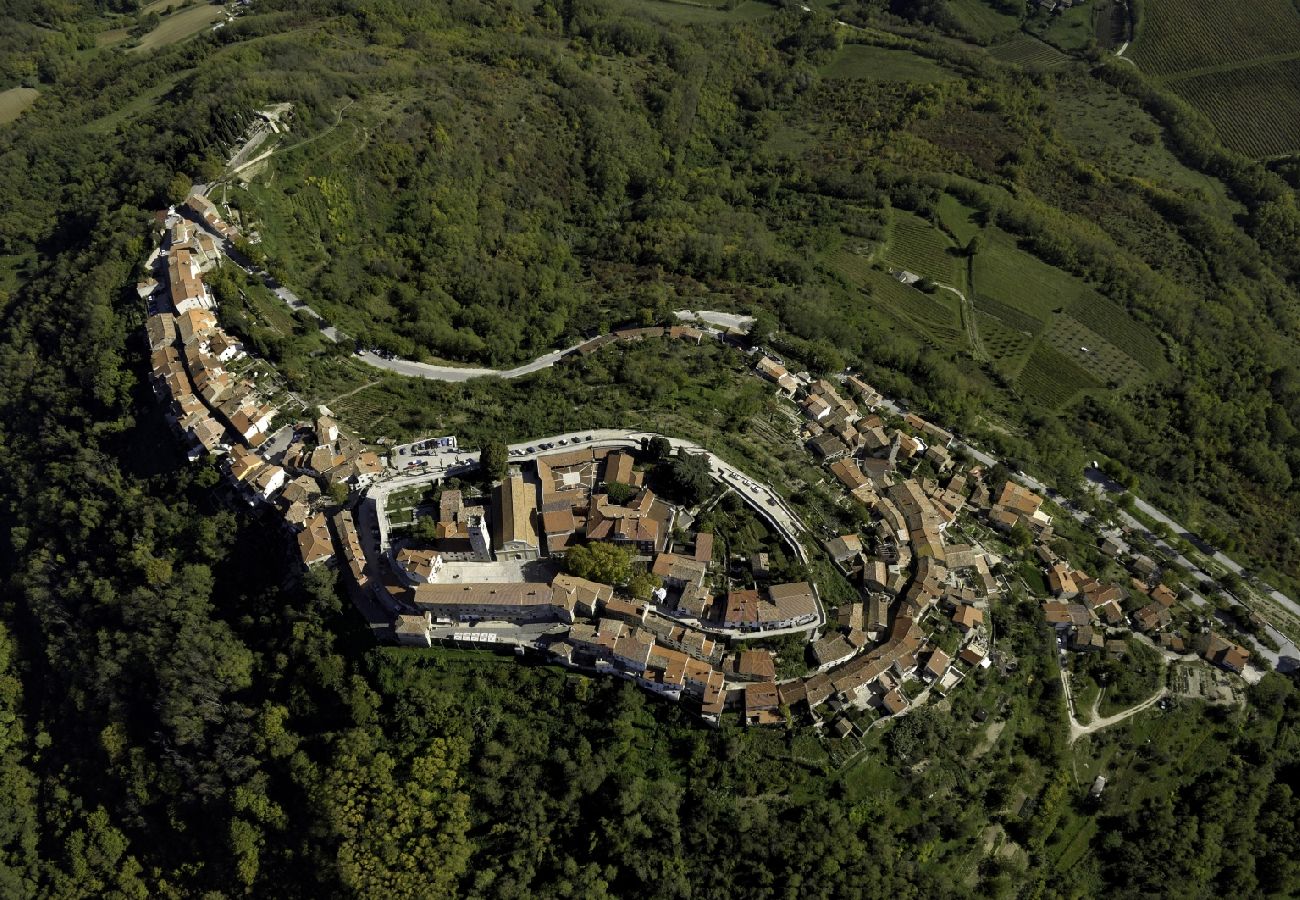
213	409
884	650
912	579
219	413
671	643
1090	616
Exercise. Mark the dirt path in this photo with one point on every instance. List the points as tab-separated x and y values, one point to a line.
1077	731
968	319
355	390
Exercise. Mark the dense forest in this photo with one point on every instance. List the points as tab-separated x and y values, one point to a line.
180	716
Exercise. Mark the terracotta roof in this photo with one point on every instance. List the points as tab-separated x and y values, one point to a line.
756	664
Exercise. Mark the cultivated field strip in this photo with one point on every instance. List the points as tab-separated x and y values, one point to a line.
1255	110
1179	35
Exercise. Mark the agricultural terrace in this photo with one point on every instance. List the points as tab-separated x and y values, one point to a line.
1239	64
1051	332
1181	36
1029	52
917	246
957	219
982	21
1255	110
933	318
180	25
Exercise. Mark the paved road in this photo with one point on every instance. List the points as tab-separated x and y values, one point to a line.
461	373
545	361
713	317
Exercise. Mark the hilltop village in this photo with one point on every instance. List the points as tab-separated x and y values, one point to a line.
431	552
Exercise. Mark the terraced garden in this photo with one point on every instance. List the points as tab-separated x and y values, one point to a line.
1179	36
1091	352
1006	345
1053	332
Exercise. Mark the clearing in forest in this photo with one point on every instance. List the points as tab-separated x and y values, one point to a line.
14	102
180	25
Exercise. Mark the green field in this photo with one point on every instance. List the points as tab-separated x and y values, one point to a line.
1059	334
703	11
1113	132
957	219
15	101
1090	351
1050	379
937	316
932	318
1071	30
1005	273
1116	326
179	26
1008	346
1029	52
884	64
918	246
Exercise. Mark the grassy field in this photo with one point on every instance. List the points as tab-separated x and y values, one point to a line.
1071	30
1006	274
1029	52
957	219
1051	330
884	64
14	101
934	318
1237	64
179	26
1088	350
937	316
918	246
1113	132
1008	346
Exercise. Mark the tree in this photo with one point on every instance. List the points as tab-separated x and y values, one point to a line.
603	562
494	460
691	477
425	528
642	584
1021	536
659	448
618	492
